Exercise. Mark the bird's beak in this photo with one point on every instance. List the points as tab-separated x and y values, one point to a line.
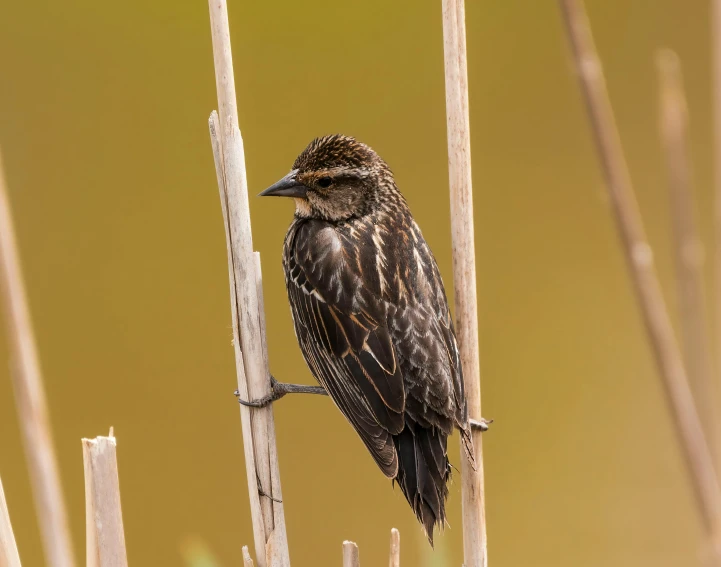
286	187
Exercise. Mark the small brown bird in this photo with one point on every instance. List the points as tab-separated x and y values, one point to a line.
372	319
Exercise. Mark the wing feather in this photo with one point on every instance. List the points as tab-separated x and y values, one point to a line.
377	332
349	353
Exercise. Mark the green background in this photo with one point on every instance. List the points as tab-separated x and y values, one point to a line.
103	126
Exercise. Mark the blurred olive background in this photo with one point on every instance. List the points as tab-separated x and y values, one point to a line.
103	125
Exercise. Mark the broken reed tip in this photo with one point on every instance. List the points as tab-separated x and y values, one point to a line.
395	553
247	561
99	440
350	554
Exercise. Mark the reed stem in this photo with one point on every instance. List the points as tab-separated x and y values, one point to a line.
262	471
688	248
464	271
9	556
716	73
350	554
247	561
645	281
30	398
105	537
395	554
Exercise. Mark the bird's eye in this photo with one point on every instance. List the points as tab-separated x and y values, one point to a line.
325	182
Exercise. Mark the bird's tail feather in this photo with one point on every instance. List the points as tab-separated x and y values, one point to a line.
423	473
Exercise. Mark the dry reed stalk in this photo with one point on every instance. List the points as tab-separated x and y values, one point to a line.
105	538
350	554
254	497
395	555
30	398
276	552
716	61
640	262
688	248
271	545
464	271
247	561
9	556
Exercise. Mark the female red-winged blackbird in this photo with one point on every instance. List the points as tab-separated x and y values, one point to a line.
371	317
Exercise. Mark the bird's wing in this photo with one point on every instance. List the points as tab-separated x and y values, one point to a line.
341	329
423	333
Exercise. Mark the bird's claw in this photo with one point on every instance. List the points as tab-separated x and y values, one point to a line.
480	424
275	394
280	389
263	402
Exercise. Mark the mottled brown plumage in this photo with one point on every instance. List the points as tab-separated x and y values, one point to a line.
371	316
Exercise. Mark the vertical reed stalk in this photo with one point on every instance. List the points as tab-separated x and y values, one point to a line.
30	398
9	556
395	555
688	248
262	471
247	561
464	270
350	554
639	258
105	537
254	497
716	61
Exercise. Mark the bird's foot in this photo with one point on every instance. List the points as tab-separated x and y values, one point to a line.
278	390
480	424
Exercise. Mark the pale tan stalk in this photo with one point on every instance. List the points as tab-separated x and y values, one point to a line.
350	554
254	497
688	248
30	398
256	513
395	555
105	537
716	98
247	561
643	275
271	545
276	551
9	556
464	271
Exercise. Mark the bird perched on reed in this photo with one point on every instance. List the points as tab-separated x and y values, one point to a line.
372	319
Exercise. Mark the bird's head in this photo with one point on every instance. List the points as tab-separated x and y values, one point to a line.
334	178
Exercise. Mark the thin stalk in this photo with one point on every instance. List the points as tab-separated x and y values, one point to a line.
464	271
688	248
9	556
639	258
30	398
262	471
395	555
256	513
350	554
716	72
105	537
247	561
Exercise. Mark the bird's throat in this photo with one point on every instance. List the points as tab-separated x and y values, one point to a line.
302	208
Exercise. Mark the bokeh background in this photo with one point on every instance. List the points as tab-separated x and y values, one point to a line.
103	125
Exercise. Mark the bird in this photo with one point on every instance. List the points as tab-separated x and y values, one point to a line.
372	319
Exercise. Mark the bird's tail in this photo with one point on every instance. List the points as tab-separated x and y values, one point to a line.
423	473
